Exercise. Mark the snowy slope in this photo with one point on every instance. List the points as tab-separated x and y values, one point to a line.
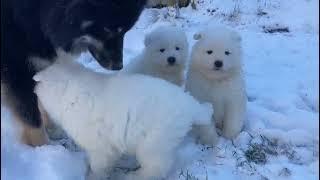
281	135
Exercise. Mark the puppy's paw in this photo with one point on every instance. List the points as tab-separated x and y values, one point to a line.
136	176
230	133
209	138
206	134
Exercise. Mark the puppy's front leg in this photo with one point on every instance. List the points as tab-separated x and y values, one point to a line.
233	119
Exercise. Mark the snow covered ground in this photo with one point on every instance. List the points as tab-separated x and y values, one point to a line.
281	135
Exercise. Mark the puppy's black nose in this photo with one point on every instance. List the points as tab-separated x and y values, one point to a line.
218	64
171	60
117	67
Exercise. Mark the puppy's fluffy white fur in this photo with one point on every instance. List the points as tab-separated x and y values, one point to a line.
224	87
109	115
161	44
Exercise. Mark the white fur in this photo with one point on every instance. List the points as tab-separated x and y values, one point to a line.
224	88
154	63
112	114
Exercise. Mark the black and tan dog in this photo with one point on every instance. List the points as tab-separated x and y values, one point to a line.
36	28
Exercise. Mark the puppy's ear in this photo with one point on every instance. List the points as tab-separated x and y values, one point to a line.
38	77
39	63
48	75
197	36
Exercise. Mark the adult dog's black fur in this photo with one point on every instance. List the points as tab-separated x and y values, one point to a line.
36	28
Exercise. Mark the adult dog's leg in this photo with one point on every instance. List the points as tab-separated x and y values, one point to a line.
16	75
23	102
34	136
17	72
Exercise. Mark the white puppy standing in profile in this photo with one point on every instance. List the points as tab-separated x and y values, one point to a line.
215	76
164	56
113	114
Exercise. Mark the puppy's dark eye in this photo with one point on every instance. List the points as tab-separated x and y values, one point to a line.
177	48
227	53
209	52
162	50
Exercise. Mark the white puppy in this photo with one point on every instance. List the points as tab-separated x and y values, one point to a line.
164	56
109	115
215	76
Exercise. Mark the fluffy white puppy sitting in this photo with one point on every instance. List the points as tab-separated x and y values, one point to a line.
215	76
108	115
164	56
